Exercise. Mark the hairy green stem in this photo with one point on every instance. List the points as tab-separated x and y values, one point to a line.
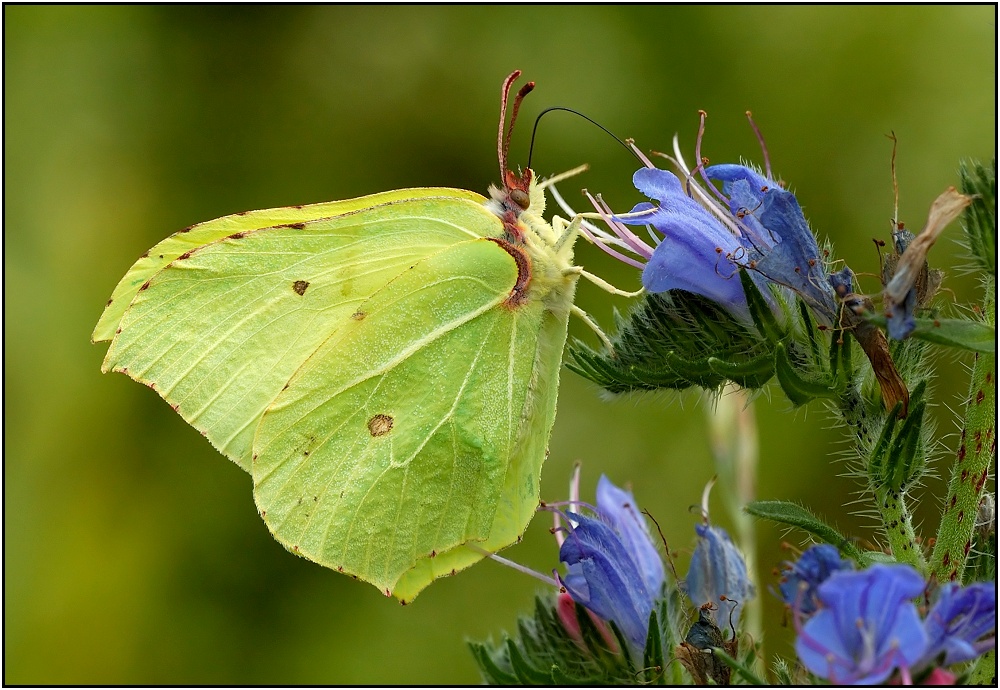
897	525
975	459
984	671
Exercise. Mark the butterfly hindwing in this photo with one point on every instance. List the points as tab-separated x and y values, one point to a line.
394	440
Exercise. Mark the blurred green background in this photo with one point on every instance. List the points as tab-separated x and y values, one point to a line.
132	550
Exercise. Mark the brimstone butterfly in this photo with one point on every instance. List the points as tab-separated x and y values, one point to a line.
385	368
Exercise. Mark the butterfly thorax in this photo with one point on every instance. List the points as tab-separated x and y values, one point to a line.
542	255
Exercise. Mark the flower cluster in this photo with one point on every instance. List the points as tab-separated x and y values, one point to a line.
862	626
754	299
703	236
615	570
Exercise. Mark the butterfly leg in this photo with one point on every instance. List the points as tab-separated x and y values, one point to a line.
593	326
603	284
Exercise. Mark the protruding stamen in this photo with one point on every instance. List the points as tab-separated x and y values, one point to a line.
763	146
720	212
704	497
574	499
603	246
703	161
633	242
641	156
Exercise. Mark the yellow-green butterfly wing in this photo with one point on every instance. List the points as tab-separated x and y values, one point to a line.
387	374
225	316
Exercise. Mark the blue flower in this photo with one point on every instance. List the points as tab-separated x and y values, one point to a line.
697	251
782	247
868	626
613	567
703	237
962	623
800	579
718	571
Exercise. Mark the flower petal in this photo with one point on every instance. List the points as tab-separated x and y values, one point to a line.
717	569
603	577
618	506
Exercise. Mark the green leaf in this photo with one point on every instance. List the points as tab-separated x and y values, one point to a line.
748	675
964	334
788	513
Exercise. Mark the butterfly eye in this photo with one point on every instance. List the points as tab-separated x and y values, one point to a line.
520	197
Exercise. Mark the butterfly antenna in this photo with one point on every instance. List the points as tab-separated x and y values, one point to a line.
607	131
503	135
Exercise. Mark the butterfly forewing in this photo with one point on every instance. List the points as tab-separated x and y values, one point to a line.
220	332
201	234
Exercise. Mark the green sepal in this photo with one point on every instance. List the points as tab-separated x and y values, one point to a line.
810	331
877	459
782	674
760	311
788	513
623	646
841	367
525	672
738	666
560	677
964	334
798	388
980	219
543	652
667	341
879	557
895	461
652	655
493	674
749	373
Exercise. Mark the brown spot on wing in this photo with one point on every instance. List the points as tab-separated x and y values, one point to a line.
358	315
299	286
380	425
